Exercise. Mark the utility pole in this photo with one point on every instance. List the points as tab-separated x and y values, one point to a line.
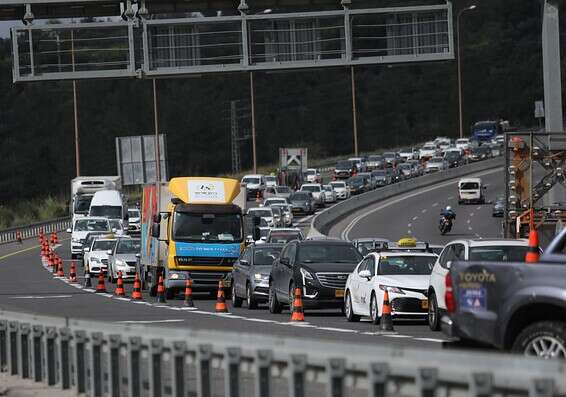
354	109
252	98
156	131
75	110
236	162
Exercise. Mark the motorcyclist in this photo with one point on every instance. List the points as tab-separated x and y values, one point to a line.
448	214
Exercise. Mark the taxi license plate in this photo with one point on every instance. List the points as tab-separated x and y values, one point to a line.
424	304
339	293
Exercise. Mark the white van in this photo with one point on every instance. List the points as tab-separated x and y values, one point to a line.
109	204
470	190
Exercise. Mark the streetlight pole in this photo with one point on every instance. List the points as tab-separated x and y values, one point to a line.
75	109
354	109
252	98
156	131
460	117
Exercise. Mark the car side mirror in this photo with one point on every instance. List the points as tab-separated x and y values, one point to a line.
448	264
244	262
109	252
155	230
69	230
86	249
365	274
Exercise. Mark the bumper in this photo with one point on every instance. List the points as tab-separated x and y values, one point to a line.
342	195
134	228
95	269
76	249
261	293
320	297
448	327
413	307
202	281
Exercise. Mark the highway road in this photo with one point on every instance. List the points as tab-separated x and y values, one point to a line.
27	286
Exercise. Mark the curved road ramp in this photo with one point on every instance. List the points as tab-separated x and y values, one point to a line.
106	359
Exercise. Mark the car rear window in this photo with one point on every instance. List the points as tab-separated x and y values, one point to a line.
469	185
499	253
266	256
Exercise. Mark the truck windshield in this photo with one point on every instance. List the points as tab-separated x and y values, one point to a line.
107	211
498	253
207	227
82	204
90	225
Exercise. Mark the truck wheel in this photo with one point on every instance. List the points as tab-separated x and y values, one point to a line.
236	301
545	339
274	305
433	320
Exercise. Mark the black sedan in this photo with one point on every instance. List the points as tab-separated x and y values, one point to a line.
302	202
357	184
250	276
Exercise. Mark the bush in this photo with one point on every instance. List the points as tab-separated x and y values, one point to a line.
32	211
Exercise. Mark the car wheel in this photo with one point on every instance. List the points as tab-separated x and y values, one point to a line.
250	300
374	310
433	315
349	310
291	297
545	339
274	305
236	301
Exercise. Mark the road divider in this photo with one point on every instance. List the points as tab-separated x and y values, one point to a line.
323	222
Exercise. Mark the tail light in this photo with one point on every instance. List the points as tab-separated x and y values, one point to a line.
449	295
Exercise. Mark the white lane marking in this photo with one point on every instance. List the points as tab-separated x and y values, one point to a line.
450	197
189	308
261	320
41	297
171	320
415	218
431	340
423	211
88	290
468	221
409	231
106	295
478	236
119	298
409	224
471	214
469	228
435	204
397	336
338	329
479	208
346	232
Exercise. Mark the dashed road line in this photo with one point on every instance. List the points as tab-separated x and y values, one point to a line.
424	211
431	340
415	218
435	204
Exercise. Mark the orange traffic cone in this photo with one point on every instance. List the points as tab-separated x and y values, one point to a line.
160	291
100	287
88	281
189	293
136	294
257	198
533	250
19	236
73	273
53	238
120	286
56	239
60	270
221	299
386	322
298	314
55	268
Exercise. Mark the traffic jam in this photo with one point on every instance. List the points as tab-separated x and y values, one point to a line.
246	241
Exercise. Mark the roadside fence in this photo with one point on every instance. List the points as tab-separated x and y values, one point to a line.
14	234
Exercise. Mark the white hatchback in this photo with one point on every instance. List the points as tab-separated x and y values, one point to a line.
492	250
404	275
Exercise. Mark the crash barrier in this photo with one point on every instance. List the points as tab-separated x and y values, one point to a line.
33	230
322	223
105	359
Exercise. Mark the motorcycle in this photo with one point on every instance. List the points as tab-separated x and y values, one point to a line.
445	225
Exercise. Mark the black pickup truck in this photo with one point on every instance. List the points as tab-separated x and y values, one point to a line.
516	307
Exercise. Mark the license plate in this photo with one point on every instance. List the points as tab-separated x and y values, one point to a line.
424	304
339	293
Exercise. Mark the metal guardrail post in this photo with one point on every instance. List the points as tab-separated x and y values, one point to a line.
3	345
13	346
427	380
297	375
263	373
232	372
178	353
336	370
156	350
25	359
37	353
114	344
378	376
65	358
481	384
542	388
80	361
204	356
50	355
134	367
96	364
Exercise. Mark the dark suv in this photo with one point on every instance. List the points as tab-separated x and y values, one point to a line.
320	267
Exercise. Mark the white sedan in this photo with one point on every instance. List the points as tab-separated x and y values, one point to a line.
341	189
330	195
405	275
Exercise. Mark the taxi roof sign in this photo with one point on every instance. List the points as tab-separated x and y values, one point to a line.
407	242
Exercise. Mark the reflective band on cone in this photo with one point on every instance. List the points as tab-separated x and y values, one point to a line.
220	299
298	313
386	322
189	293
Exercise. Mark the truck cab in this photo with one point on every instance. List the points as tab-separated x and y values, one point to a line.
193	228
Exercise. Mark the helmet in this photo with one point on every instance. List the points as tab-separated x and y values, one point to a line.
448	208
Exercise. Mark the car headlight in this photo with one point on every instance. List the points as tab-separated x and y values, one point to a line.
120	263
389	288
76	240
95	260
177	276
259	276
306	274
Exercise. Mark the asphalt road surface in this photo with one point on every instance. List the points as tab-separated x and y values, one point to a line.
27	286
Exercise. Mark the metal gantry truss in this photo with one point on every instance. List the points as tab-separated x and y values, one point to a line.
185	46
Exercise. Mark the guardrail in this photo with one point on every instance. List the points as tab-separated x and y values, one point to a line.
321	223
29	231
105	359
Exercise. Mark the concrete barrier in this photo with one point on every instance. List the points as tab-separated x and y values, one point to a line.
321	224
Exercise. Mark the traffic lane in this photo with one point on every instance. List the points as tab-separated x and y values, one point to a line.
40	293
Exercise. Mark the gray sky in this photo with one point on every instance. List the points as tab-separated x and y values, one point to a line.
5	27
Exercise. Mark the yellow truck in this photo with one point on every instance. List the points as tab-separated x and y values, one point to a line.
193	227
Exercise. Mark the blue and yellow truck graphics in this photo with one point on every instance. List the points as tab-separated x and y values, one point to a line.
192	227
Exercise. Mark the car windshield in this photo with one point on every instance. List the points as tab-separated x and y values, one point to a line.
310	188
103	245
356	180
469	186
338	184
82	204
478	150
106	211
282	189
283	238
388	155
270	179
366	247
300	196
406	150
90	225
251	180
452	154
133	213
462	141
275	201
264	213
344	165
429	147
282	207
499	253
265	256
381	173
406	166
407	265
375	158
333	253
310	172
328	188
128	246
436	160
207	227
